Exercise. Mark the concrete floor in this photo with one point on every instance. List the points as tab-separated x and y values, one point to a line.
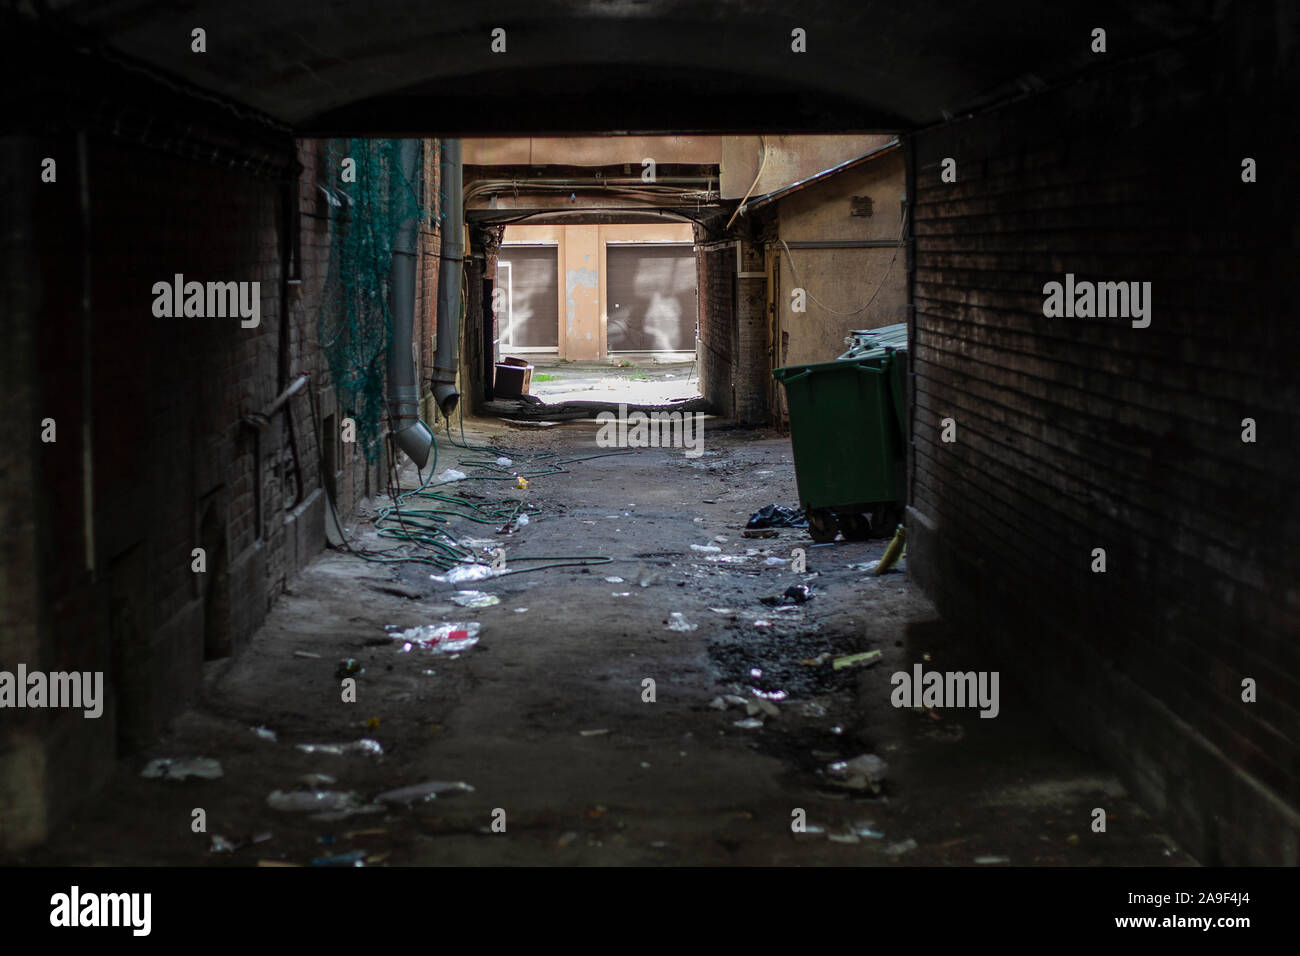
645	382
669	782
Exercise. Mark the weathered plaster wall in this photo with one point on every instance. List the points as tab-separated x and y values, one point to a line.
844	279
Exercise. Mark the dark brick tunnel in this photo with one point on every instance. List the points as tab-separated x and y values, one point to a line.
1096	484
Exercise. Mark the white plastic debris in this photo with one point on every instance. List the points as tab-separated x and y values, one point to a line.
677	622
365	746
264	732
728	700
710	548
903	846
749	723
504	462
614	580
474	599
521	521
221	845
463	573
179	768
449	638
774	562
420	792
449	475
298	801
866	772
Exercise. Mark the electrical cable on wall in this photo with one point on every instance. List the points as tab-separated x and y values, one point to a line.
795	272
757	177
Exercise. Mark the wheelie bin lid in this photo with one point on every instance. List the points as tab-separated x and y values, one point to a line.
873	343
870	359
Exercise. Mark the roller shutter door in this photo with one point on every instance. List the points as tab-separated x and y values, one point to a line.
532	317
650	298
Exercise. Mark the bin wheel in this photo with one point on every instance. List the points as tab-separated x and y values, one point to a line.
822	525
856	527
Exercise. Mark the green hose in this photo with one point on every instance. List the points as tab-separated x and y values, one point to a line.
426	528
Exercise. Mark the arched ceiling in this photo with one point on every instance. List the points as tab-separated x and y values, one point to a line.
401	66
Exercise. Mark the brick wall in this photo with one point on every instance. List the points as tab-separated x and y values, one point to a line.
175	462
717	285
751	367
1075	434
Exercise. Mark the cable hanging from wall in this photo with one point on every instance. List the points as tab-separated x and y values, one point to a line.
880	285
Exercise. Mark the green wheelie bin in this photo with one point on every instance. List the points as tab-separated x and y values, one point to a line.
848	428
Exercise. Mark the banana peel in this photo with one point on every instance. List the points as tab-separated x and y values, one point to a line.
893	552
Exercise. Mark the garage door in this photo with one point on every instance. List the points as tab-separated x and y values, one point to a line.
530	317
650	297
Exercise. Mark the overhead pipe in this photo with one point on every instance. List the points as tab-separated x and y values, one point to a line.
666	184
411	434
447	357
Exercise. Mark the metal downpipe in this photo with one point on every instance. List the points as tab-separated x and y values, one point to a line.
449	275
411	434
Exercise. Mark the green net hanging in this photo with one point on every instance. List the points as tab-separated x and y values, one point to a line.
355	323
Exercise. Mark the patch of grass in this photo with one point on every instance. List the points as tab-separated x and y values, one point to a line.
626	364
543	377
639	378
